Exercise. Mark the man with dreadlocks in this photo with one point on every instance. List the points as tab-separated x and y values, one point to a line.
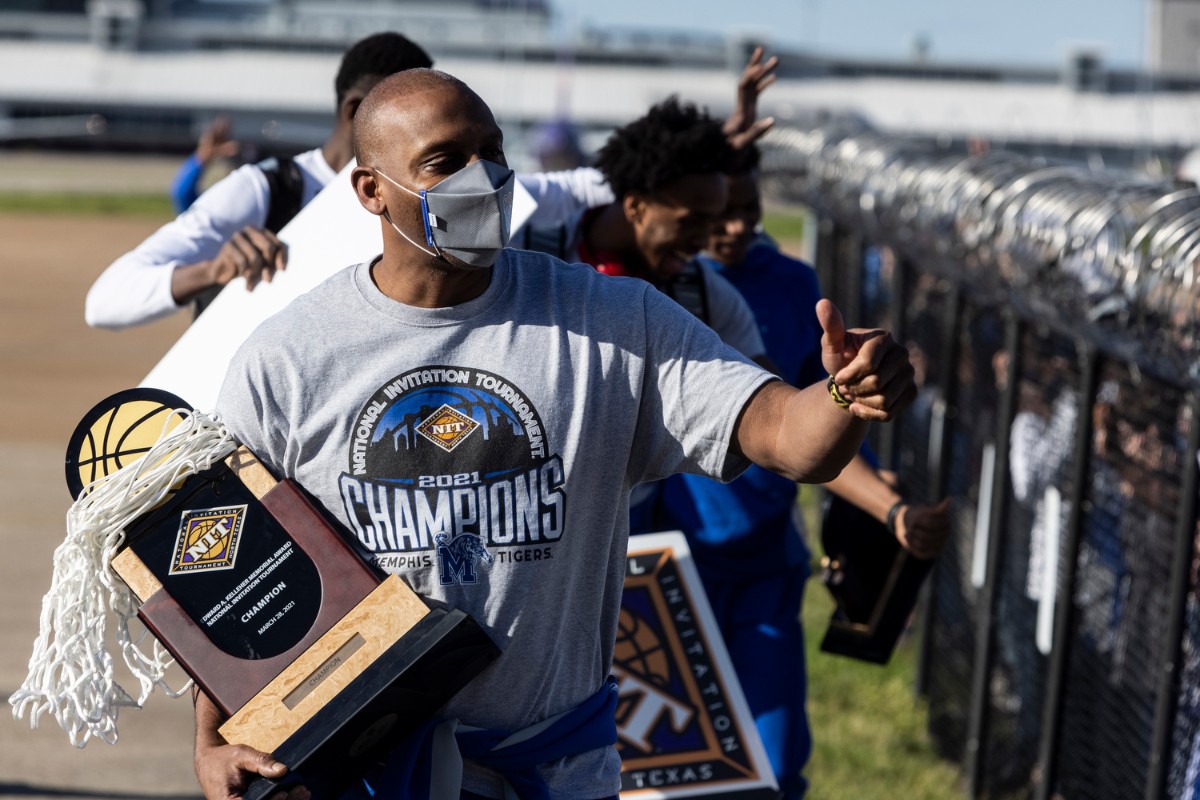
666	173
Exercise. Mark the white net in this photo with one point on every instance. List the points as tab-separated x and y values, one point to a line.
71	671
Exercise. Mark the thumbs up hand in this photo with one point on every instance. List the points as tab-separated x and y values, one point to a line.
869	368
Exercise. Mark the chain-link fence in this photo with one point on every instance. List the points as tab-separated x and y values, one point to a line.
1052	316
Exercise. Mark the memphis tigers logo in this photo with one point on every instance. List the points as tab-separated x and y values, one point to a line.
449	471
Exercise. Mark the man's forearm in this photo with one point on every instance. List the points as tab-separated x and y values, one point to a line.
860	485
208	720
189	280
807	434
799	433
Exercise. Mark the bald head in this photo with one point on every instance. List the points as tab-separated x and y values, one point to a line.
399	104
414	130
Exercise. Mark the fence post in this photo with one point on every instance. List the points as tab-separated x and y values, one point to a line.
850	275
1185	535
825	257
941	431
997	519
889	434
1064	611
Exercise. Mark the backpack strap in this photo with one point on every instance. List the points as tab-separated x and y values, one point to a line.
285	187
285	190
690	291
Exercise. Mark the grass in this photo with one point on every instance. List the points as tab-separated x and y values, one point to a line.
869	728
75	204
784	224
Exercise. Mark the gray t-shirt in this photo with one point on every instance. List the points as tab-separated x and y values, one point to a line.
485	453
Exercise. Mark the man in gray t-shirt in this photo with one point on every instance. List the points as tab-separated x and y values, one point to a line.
477	417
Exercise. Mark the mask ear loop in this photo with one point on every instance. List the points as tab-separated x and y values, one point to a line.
437	251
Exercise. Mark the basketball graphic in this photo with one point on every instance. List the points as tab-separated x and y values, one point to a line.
639	649
117	432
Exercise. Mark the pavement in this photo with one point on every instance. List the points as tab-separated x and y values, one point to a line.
53	368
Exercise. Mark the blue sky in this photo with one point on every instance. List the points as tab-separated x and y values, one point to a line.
1027	32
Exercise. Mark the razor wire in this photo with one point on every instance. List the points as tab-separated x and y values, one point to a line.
1114	254
1052	315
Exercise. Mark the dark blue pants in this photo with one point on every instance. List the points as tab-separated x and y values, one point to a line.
759	619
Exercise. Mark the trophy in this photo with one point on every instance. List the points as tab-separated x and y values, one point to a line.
255	593
874	581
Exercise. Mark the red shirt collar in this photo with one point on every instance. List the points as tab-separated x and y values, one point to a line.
605	261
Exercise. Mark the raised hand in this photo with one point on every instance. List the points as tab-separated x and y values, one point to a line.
869	368
216	141
743	126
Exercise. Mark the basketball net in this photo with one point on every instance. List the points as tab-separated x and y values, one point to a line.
71	669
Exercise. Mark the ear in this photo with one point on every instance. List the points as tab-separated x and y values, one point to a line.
348	106
634	206
366	186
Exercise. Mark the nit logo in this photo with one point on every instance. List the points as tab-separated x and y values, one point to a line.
447	428
208	539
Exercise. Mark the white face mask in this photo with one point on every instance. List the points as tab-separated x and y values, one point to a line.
468	215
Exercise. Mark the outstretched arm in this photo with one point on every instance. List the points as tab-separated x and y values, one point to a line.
805	434
208	245
921	530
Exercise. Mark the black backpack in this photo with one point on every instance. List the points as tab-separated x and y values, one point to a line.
285	186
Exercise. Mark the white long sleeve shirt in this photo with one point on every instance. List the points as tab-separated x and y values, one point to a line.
136	288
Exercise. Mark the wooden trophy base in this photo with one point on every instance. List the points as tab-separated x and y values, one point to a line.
385	701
